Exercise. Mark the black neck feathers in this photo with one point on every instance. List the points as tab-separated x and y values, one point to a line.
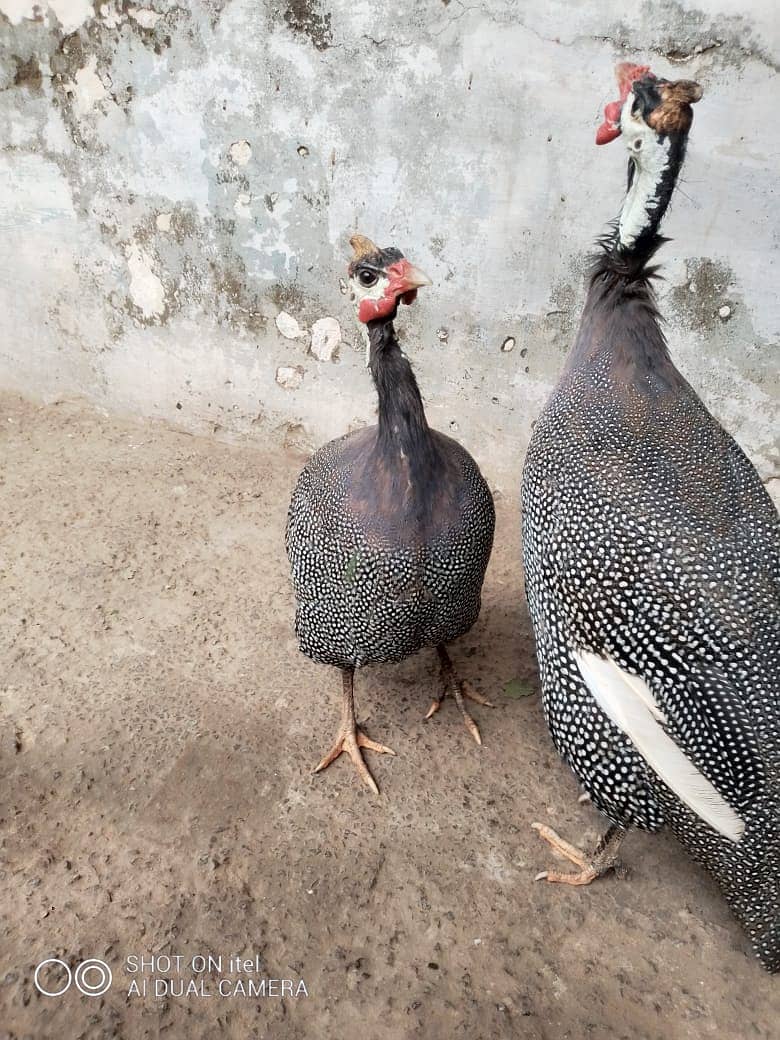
621	325
404	433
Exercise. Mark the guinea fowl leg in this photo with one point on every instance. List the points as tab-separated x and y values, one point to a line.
604	859
450	683
351	738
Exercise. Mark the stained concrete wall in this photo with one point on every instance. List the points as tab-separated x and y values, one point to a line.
179	183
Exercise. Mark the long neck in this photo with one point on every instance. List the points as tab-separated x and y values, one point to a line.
403	428
652	177
620	323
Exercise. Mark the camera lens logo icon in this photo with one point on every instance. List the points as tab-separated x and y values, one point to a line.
92	977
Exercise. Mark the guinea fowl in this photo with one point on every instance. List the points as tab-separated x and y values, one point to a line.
652	561
390	527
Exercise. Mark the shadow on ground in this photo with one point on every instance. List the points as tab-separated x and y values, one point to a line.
158	732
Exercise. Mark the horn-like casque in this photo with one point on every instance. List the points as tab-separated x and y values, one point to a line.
362	246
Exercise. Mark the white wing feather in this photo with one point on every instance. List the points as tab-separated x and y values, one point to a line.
630	704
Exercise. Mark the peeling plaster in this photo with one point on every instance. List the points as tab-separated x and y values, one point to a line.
87	89
325	338
144	16
71	14
180	183
289	377
146	289
240	152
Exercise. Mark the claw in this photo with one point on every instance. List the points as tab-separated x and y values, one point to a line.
473	695
603	860
351	738
452	686
473	729
351	742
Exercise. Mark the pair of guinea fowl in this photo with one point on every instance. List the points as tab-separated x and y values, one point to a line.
651	553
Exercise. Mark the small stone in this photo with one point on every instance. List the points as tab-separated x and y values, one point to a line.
288	326
240	152
289	377
303	151
508	344
443	335
325	338
724	313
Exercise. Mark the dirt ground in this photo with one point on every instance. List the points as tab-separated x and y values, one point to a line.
158	733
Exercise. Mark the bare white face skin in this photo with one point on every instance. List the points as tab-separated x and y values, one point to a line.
359	291
650	156
639	138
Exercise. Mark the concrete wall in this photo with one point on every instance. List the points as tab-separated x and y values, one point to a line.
179	183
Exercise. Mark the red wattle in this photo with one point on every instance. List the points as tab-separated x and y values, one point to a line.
607	132
369	310
613	110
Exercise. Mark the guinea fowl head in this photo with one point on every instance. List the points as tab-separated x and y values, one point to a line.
649	110
654	116
380	278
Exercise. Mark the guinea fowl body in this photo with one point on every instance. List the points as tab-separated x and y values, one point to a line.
652	566
389	531
650	540
374	579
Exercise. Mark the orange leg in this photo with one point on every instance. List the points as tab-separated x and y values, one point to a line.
351	738
452	685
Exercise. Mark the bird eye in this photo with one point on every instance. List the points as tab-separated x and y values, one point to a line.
367	278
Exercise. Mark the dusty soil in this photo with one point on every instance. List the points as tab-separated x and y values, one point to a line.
158	732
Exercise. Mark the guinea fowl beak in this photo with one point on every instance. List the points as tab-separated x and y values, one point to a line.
405	280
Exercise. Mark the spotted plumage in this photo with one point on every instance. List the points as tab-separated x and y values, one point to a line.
652	551
390	527
373	582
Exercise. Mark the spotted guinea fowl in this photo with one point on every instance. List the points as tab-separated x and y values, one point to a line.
652	561
390	527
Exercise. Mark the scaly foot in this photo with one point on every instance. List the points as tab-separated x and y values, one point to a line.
351	738
603	860
452	686
351	741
